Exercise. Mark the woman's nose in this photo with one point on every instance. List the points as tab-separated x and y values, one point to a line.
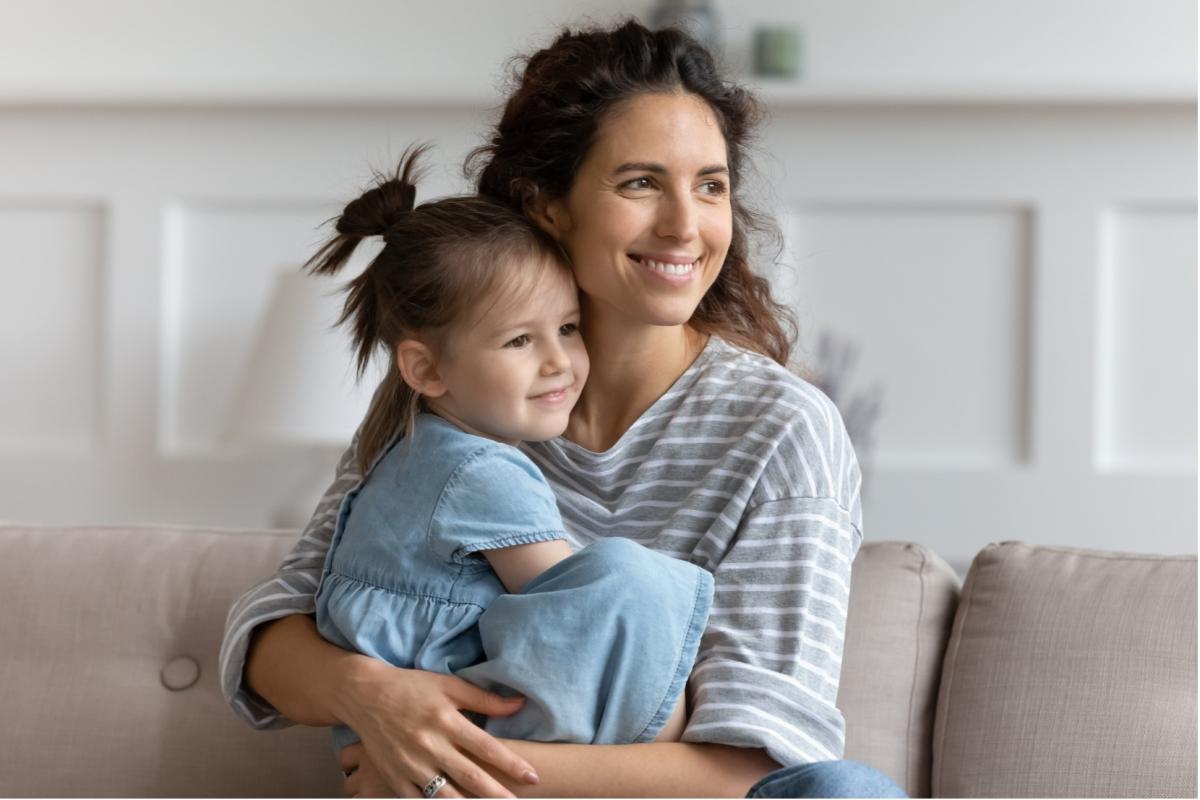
678	218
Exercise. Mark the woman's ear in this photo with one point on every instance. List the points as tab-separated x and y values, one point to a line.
549	215
418	367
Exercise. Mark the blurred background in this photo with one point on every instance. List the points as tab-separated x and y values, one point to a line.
989	216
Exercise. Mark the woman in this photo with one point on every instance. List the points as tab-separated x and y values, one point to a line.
690	437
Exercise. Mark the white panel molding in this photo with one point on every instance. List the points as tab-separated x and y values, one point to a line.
1146	340
52	302
949	306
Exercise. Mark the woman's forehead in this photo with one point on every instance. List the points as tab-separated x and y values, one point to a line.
677	129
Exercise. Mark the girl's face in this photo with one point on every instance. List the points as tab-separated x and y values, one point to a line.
515	372
648	219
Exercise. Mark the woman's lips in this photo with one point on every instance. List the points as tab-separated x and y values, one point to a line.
675	271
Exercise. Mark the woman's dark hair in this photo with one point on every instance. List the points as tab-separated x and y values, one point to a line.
438	261
550	122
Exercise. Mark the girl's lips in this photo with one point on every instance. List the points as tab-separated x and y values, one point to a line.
552	398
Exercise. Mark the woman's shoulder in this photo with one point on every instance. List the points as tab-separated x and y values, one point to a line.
765	382
788	417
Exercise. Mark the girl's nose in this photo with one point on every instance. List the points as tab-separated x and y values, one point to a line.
555	360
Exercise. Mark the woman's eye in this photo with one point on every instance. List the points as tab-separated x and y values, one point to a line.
519	341
638	183
713	187
568	329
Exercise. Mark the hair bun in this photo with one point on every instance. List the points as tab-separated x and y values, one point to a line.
385	203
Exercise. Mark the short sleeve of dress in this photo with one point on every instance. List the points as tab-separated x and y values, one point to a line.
496	498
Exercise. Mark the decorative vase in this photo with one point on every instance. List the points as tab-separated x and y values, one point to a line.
696	17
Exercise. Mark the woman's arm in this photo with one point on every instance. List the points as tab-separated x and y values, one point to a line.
407	719
656	769
316	695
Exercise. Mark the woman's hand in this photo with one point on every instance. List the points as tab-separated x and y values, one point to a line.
411	729
363	778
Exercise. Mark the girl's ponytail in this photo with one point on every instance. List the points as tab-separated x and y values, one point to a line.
376	212
373	214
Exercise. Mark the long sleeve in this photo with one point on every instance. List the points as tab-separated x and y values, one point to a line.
289	591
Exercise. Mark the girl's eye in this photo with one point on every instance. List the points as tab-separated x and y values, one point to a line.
518	342
568	329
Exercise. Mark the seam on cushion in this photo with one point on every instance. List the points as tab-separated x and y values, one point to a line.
916	672
1084	553
965	605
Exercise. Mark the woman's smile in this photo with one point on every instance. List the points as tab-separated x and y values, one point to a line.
648	222
673	271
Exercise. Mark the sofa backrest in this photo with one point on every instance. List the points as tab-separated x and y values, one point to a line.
103	632
902	602
1070	673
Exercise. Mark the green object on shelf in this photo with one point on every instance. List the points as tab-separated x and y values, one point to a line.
777	52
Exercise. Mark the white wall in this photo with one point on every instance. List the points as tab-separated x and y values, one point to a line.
270	51
996	202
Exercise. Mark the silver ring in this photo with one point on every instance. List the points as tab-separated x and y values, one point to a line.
434	786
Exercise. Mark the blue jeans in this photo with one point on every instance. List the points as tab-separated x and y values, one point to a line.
827	779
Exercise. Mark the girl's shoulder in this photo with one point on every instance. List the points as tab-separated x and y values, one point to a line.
437	452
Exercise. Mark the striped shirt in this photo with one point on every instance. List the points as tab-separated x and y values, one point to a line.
741	468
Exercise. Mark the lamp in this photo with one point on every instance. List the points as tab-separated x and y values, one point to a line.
298	388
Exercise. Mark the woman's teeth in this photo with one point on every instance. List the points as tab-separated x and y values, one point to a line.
669	269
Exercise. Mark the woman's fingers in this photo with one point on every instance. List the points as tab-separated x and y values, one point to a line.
489	750
470	697
473	779
362	778
350	756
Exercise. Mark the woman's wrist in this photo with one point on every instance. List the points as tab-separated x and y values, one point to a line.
320	694
356	681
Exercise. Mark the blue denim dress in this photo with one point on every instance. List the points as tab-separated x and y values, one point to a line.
600	645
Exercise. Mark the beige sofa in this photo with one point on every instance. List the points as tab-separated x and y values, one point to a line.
1052	672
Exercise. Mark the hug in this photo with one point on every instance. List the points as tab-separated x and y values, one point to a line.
594	537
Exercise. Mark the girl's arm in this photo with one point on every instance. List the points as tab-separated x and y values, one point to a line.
516	566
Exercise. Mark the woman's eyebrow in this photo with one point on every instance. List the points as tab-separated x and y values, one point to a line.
650	166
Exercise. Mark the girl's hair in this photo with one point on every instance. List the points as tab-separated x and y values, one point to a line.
439	260
550	122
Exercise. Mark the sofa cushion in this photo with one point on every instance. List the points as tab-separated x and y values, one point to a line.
1070	673
108	677
902	603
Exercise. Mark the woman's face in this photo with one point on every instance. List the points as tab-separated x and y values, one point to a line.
648	220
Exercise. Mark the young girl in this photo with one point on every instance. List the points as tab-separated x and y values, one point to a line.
451	556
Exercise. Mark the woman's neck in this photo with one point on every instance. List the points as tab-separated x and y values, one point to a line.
632	365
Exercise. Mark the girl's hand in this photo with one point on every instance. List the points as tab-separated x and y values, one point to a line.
411	730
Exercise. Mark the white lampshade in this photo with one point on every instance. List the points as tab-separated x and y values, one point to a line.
298	387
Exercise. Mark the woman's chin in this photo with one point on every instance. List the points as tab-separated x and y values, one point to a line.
670	316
